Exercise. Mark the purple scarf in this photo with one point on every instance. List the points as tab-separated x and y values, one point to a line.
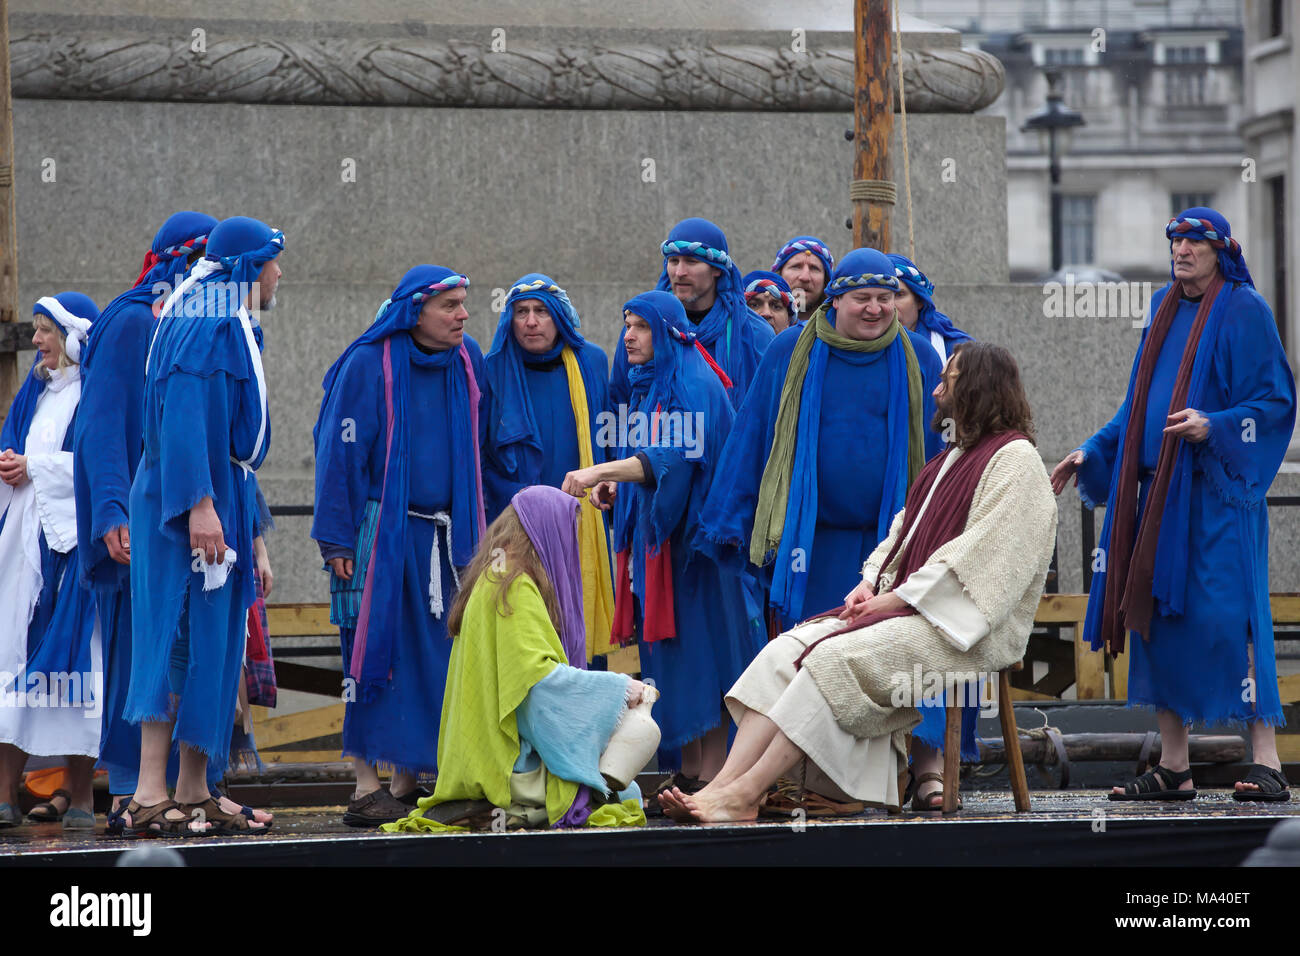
549	517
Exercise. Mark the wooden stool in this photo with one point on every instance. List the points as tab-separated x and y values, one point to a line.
1010	744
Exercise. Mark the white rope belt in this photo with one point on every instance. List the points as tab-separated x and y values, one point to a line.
441	520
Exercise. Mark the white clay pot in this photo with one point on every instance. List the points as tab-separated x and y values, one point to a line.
632	745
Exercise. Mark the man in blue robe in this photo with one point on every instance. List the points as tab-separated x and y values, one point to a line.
824	449
399	507
1184	468
769	296
918	313
698	270
108	438
192	519
806	264
695	633
545	397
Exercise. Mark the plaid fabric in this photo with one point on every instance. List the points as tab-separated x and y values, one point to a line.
259	668
345	596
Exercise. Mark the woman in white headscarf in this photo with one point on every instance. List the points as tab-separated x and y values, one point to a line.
51	673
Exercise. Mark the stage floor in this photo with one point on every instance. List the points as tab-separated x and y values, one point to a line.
1070	828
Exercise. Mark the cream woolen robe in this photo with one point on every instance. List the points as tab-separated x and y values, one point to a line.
982	586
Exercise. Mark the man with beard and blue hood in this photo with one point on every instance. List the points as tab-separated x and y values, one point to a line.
694	631
699	271
1184	469
193	515
806	264
917	311
545	396
399	508
109	435
823	451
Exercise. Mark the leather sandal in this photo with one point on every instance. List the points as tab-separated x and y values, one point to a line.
223	823
1158	783
377	807
46	811
926	804
1272	786
153	821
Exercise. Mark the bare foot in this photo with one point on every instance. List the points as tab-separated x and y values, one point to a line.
723	806
259	816
670	801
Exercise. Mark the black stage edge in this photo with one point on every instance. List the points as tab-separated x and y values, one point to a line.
1135	841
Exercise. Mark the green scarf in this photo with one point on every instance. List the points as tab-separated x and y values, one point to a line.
774	490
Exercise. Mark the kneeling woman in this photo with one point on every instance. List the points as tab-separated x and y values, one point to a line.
522	731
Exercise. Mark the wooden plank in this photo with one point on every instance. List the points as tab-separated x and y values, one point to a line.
1089	669
624	660
1286	607
1020	693
301	756
1289	688
1061	609
300	620
1118	676
1288	748
304	725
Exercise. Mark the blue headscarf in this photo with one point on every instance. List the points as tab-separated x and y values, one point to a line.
1201	222
82	309
735	335
805	244
928	317
166	261
761	281
505	359
381	598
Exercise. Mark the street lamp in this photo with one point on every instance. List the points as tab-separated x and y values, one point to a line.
1053	119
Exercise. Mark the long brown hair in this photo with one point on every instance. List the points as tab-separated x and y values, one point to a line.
504	553
987	395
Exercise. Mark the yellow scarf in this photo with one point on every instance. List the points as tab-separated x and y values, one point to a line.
593	541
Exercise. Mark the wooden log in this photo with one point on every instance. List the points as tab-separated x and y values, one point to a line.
873	118
10	377
1015	761
1120	747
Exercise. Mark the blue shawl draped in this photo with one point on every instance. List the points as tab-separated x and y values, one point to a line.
341	497
111	420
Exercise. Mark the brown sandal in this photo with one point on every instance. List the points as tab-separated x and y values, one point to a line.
223	823
152	821
928	805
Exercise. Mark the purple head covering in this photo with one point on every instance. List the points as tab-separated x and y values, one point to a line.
549	517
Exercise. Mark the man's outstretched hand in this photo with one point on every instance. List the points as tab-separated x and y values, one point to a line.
1067	469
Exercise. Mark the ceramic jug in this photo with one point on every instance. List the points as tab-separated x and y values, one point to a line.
632	745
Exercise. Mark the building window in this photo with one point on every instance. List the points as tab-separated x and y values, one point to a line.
1063	56
1181	201
1078	225
1184	87
1276	18
1185	54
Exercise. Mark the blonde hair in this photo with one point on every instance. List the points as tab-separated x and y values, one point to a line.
505	552
46	324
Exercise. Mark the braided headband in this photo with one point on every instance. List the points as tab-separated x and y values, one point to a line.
917	276
865	281
229	262
151	258
801	245
759	286
442	285
696	250
537	285
1206	230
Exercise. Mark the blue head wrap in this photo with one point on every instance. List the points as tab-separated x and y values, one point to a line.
805	244
241	246
761	281
69	311
928	318
860	269
380	609
1201	222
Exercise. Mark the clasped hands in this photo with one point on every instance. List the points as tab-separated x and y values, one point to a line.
603	491
13	468
863	600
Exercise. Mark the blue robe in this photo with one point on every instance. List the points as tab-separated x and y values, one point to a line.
399	726
1213	547
850	480
546	458
717	637
201	407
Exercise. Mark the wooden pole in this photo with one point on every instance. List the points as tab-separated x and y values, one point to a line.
873	125
9	377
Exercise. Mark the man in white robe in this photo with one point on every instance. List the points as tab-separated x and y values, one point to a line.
955	596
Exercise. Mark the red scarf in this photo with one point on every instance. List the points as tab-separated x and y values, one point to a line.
942	521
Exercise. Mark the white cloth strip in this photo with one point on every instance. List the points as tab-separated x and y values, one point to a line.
76	328
441	519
